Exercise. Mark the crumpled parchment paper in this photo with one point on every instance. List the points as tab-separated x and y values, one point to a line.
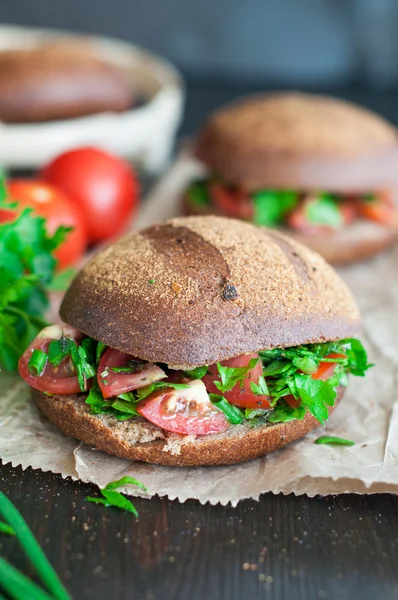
368	414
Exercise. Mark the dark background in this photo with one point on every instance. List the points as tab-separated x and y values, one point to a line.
260	42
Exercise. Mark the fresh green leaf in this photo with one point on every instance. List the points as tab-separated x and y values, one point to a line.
127	397
284	413
198	194
125	407
37	362
275	367
127	480
257	413
232	413
101	347
316	395
330	439
271	206
357	357
230	376
27	267
307	364
197	373
98	405
59	349
260	388
325	210
116	499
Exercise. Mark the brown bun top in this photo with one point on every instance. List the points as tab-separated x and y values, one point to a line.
197	290
58	81
299	140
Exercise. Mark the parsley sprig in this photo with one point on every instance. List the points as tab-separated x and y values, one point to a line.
111	497
27	267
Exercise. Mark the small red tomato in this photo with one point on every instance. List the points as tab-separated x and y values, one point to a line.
103	185
55	206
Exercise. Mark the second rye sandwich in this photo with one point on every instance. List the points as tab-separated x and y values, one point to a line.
321	169
200	341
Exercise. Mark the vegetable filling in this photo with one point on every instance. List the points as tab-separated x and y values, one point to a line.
270	386
306	212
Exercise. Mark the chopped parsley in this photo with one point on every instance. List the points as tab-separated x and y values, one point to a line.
230	376
197	373
27	269
288	372
330	439
289	381
231	412
37	362
111	497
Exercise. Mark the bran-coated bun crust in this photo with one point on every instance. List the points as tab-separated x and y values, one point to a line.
300	141
137	439
197	290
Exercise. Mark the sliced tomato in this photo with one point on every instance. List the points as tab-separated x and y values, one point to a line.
326	369
54	380
138	373
234	203
241	394
380	209
186	411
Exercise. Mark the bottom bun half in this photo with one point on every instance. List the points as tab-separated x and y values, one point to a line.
355	242
137	439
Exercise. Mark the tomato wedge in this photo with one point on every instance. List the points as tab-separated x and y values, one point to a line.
234	203
380	209
119	373
54	380
326	369
241	394
187	411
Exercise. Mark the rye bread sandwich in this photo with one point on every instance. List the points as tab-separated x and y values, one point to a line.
200	341
322	169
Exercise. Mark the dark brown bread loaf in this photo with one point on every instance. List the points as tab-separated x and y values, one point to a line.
300	141
197	290
138	439
58	81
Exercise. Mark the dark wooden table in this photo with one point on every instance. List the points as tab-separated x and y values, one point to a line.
282	548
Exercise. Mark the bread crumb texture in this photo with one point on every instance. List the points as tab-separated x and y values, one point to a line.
283	293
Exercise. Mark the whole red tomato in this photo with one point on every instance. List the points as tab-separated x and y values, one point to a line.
104	186
55	206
